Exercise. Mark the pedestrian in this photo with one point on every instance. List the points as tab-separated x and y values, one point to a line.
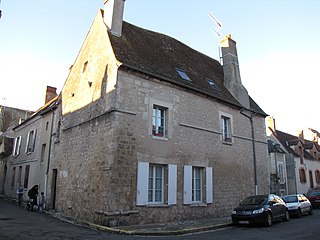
42	202
20	194
33	195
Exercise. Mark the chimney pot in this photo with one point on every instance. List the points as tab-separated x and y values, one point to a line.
51	92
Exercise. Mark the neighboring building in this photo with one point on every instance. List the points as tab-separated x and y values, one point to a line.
302	159
29	163
278	173
151	130
9	118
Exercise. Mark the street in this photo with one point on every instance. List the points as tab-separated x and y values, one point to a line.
17	223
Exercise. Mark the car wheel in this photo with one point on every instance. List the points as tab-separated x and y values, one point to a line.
287	216
299	213
310	210
269	220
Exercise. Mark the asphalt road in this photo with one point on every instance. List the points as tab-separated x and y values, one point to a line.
17	223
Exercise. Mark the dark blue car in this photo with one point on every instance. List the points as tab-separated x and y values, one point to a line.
260	209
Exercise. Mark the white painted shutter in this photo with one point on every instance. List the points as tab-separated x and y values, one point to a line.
14	146
187	185
172	184
34	139
142	183
27	143
19	145
209	189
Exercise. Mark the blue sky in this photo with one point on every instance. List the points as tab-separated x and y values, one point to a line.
277	42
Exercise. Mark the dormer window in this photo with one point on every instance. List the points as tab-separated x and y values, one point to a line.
183	74
213	85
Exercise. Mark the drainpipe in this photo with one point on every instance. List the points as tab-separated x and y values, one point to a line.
49	156
253	150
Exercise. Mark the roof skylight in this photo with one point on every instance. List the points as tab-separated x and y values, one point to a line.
213	85
183	74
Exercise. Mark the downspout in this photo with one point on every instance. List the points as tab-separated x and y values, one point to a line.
253	150
49	155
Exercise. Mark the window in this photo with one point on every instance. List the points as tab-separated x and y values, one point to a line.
302	175
31	139
197	185
281	172
43	152
183	74
26	176
311	179
19	174
226	129
13	176
155	185
159	121
16	146
317	175
85	66
213	85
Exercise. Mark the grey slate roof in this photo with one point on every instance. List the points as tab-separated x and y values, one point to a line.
159	55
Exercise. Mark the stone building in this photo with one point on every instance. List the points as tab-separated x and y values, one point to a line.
29	162
9	118
151	130
302	159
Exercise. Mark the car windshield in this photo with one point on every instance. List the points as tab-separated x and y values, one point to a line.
314	194
290	199
254	200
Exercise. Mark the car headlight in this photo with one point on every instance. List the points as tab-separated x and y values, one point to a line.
258	211
234	212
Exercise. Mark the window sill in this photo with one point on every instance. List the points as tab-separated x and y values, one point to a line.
160	138
160	205
200	204
227	142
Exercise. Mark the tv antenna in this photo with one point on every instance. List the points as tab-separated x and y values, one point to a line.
218	24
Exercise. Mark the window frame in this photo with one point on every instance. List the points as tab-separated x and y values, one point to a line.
226	127
281	172
153	186
159	114
302	175
197	190
31	140
168	118
17	146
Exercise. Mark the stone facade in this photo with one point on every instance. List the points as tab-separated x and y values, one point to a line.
131	147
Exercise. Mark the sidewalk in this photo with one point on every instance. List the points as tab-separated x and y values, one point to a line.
172	228
160	229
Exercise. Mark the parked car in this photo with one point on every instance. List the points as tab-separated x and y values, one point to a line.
260	209
314	198
297	204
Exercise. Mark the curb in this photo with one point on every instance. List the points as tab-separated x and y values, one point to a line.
159	233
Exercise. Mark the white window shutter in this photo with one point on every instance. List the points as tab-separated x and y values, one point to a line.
142	183
187	185
34	139
14	146
27	150
19	145
172	184
209	188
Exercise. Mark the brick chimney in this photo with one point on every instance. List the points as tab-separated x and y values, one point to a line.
51	92
113	15
231	70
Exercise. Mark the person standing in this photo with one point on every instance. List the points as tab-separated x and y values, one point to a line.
42	202
20	194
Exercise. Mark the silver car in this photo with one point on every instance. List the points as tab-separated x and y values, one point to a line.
298	204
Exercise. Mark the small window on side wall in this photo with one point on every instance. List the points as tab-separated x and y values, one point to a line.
226	129
159	121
